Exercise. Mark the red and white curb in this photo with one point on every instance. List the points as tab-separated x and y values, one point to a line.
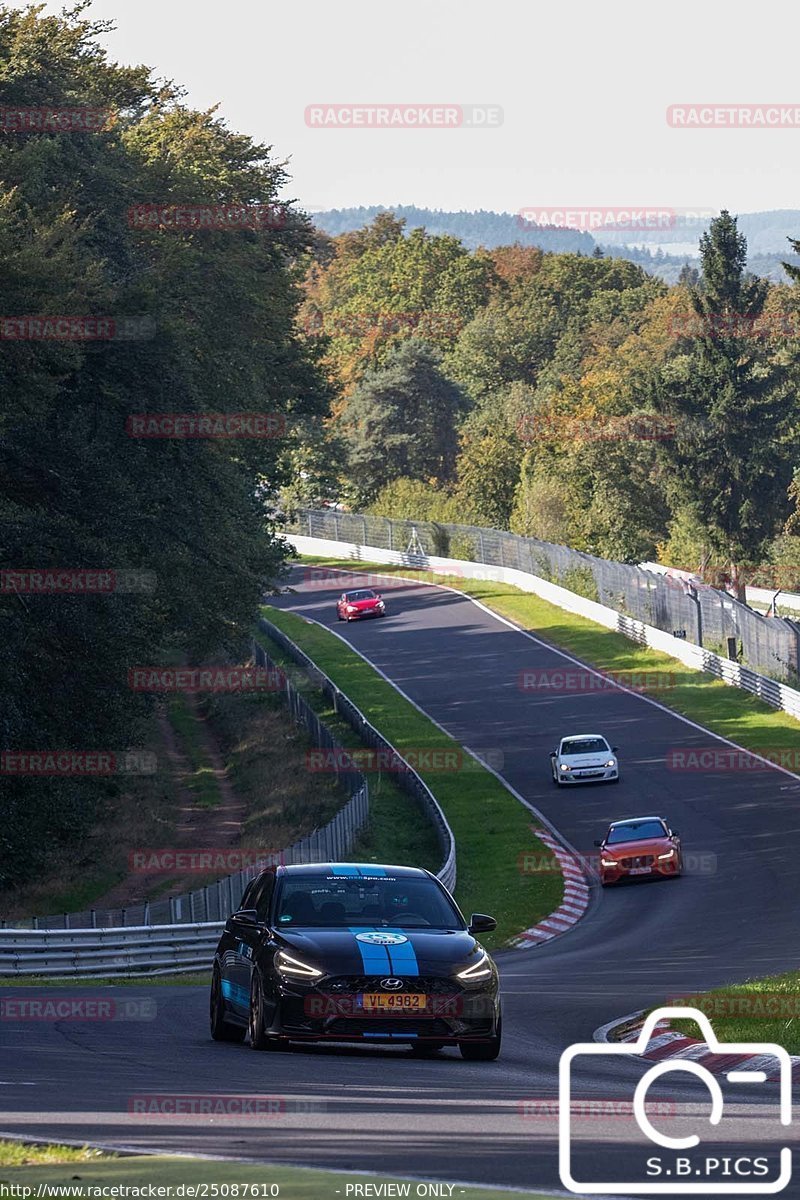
573	906
668	1044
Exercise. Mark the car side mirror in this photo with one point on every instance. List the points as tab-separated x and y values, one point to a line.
615	749
247	916
553	753
480	923
378	596
674	833
597	842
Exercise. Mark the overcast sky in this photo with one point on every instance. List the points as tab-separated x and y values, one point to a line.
584	89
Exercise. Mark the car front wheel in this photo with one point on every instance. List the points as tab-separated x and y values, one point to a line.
483	1051
259	1038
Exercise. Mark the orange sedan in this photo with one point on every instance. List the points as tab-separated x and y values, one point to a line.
637	848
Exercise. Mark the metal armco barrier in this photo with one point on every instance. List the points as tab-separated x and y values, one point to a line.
771	691
108	953
169	949
406	777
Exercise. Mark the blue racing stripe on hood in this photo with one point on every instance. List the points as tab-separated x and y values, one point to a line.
403	956
374	958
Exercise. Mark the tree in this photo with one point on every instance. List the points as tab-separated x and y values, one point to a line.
383	286
728	462
75	489
401	421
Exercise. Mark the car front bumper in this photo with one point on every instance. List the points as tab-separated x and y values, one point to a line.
333	1011
649	870
589	775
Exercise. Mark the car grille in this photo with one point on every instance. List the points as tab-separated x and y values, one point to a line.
644	860
354	1027
431	985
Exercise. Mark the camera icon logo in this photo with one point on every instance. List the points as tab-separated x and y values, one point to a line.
706	1186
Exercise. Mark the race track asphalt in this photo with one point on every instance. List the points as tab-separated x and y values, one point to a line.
733	915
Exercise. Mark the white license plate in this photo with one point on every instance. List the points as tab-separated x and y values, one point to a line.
641	870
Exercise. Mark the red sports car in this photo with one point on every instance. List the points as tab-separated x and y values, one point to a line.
639	847
363	603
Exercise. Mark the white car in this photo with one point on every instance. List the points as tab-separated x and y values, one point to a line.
584	758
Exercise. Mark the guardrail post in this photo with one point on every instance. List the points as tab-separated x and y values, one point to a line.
146	916
124	917
173	914
205	902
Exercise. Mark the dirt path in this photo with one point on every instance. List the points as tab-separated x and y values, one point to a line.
196	827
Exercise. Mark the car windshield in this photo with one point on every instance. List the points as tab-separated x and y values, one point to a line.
337	902
635	831
366	594
589	745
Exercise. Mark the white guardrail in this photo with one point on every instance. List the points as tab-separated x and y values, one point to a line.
777	695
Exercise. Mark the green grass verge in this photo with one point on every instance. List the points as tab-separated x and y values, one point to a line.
294	1183
201	781
725	710
21	1154
193	979
760	1010
492	829
395	831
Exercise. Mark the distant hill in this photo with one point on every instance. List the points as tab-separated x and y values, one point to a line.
662	252
474	229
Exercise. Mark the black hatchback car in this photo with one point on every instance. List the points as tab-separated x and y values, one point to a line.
340	952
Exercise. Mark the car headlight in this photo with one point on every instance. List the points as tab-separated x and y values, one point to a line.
350	608
296	968
381	604
669	854
608	862
612	762
564	767
482	969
